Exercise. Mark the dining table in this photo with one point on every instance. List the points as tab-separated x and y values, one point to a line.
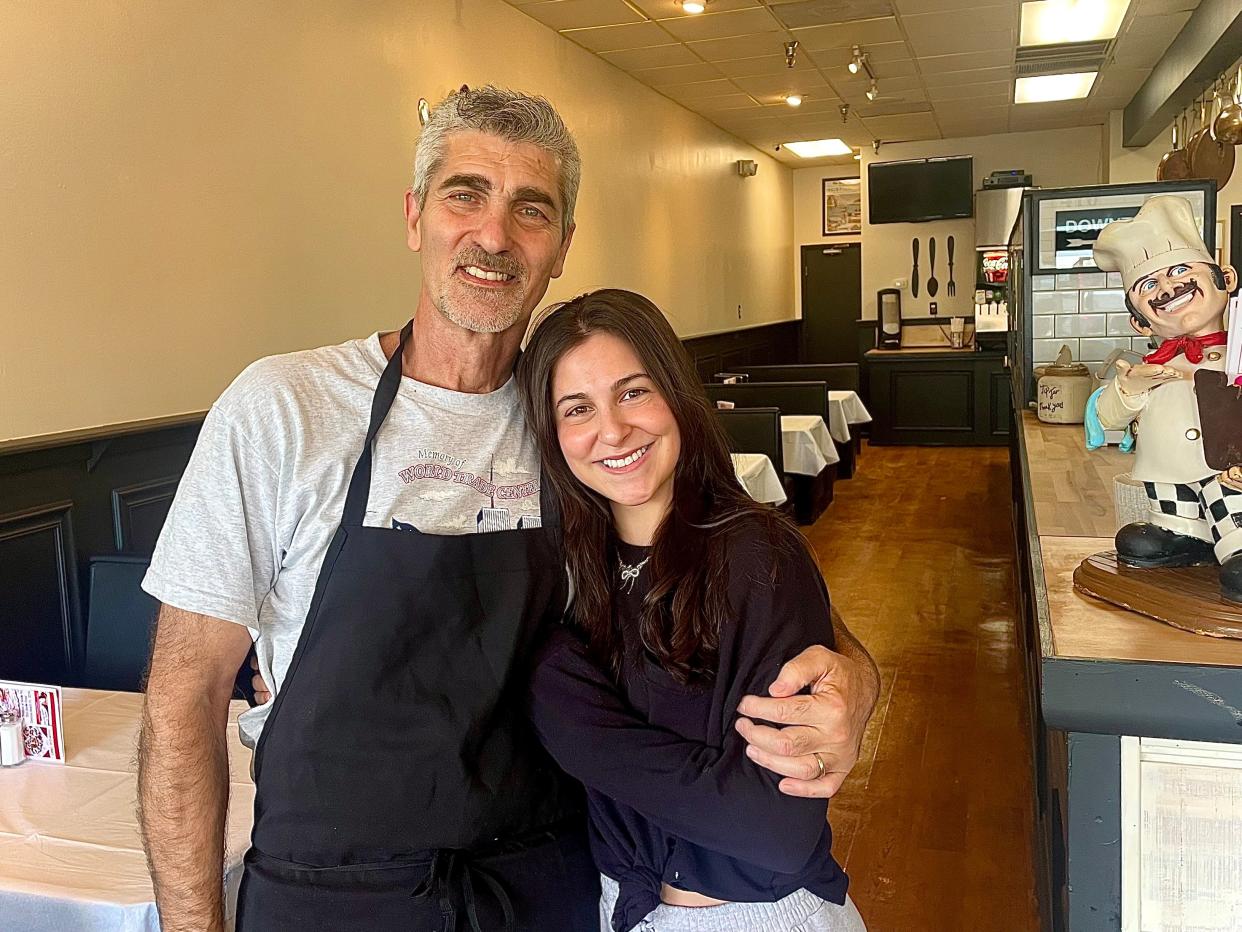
845	410
71	855
759	477
806	444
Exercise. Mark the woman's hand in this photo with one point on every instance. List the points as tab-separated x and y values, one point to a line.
826	725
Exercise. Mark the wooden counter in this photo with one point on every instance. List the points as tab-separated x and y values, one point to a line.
1103	679
938	396
1071	494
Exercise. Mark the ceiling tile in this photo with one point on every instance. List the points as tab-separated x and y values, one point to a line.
677	74
865	32
1168	24
965	110
818	12
765	65
665	9
887	58
989	58
737	103
935	78
890	107
1137	49
962	91
790	82
905	126
616	38
655	57
1162	7
739	46
857	85
578	14
700	89
964	42
914	7
721	25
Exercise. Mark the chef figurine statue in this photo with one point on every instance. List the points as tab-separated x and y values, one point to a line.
1174	291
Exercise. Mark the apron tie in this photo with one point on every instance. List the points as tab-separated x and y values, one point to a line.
453	874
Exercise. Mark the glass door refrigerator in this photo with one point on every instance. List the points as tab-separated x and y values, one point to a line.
1057	296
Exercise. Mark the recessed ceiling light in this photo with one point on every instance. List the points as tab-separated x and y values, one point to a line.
693	6
817	148
794	100
1052	22
1047	87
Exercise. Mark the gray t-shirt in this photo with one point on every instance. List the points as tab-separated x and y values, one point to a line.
264	489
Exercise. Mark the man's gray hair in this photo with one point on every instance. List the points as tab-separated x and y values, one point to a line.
510	115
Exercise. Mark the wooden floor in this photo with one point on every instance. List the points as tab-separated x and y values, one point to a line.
935	824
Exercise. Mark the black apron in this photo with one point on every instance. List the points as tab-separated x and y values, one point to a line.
399	784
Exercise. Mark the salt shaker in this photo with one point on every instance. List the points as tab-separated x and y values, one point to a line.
12	747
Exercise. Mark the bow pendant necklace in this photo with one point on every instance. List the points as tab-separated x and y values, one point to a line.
629	574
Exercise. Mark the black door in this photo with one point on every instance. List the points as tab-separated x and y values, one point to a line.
831	302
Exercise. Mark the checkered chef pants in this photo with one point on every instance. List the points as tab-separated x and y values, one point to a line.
1207	501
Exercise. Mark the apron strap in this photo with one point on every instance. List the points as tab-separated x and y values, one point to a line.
385	394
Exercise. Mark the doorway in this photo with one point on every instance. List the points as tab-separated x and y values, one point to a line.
831	302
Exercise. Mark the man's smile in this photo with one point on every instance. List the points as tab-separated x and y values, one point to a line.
1182	295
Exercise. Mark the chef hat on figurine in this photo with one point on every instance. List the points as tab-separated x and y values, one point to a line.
1162	234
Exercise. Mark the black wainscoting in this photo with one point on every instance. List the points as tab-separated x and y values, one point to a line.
769	345
108	491
60	505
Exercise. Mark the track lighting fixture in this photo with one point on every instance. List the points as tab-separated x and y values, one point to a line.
791	53
873	92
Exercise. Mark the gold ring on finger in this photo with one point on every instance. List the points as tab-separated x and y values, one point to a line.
823	768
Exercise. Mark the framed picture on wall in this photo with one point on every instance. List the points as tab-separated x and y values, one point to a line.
842	206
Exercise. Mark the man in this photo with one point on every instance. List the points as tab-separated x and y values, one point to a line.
1175	291
371	516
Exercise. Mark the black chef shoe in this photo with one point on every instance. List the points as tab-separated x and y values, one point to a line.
1231	578
1147	545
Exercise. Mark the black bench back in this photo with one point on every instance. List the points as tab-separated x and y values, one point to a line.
838	376
790	397
755	430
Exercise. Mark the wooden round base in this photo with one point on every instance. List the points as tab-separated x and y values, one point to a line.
1185	597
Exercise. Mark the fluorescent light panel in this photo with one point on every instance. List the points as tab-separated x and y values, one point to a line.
1053	22
818	148
1045	87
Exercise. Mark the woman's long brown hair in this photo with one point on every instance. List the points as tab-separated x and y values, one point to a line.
683	612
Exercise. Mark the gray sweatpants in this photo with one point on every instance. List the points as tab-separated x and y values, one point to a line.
798	912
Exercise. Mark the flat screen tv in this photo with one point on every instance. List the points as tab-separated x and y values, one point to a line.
920	189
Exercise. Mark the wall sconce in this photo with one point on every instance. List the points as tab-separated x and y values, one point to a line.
747	168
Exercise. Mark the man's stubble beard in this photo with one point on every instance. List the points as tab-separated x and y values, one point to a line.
481	311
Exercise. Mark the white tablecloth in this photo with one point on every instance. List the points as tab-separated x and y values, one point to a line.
806	444
759	477
70	852
844	409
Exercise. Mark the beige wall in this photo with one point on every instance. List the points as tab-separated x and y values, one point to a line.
189	186
1054	158
1135	165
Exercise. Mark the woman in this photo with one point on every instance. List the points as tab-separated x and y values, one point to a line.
687	596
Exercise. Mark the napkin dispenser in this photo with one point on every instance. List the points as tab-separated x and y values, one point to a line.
888	308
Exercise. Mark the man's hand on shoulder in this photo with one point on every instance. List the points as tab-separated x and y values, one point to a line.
823	726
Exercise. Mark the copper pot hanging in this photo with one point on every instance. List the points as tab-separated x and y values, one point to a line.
1174	166
1209	157
1228	123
